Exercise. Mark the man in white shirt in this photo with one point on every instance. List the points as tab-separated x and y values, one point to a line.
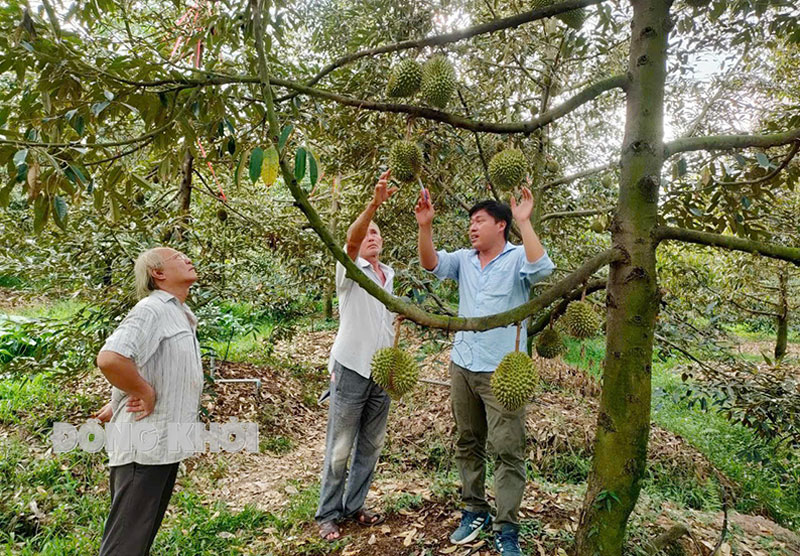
152	360
358	406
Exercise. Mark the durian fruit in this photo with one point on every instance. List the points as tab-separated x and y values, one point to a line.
507	168
552	166
514	380
573	18
404	79
222	215
438	82
139	198
395	371
549	343
580	320
405	160
597	226
607	181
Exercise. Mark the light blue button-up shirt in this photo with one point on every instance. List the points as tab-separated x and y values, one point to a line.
501	285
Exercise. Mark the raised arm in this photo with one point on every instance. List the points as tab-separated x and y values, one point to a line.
358	229
522	216
424	212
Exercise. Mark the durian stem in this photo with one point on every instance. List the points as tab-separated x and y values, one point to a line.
583	294
409	127
397	322
516	343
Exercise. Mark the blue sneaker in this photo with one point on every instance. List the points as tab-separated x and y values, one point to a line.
506	542
471	525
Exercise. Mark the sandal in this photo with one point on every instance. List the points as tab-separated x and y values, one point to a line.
367	518
328	528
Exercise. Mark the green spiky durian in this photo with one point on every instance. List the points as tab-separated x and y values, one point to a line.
608	181
507	168
222	215
580	320
597	226
438	82
395	371
514	380
405	160
550	344
404	79
573	18
552	166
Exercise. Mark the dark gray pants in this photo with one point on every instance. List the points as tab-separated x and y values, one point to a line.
139	498
481	418
356	429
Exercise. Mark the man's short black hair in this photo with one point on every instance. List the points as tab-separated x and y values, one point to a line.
498	211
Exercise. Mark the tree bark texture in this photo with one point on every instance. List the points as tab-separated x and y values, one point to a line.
783	314
623	425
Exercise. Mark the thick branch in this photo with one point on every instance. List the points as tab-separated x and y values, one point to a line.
413	312
438	40
725	142
589	93
782	252
576	213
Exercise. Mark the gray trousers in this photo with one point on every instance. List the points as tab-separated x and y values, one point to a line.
139	498
480	417
357	418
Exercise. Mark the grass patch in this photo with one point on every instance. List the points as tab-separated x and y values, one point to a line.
766	472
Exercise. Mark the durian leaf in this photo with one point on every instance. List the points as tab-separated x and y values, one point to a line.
300	164
256	159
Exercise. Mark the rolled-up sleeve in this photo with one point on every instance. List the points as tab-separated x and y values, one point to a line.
533	272
137	337
447	265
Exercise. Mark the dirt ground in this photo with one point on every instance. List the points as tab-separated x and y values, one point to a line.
560	419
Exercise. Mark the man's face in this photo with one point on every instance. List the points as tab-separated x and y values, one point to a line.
484	230
372	244
176	268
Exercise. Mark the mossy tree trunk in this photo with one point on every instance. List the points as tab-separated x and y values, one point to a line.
783	314
623	425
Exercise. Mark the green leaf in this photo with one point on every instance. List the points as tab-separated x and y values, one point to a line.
231	145
109	95
746	203
78	124
20	156
75	175
682	167
22	172
60	212
763	161
256	159
99	107
313	171
5	194
98	198
230	126
4	112
287	130
41	209
300	164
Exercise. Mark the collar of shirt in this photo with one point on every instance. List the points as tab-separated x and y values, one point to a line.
476	259
166	297
388	272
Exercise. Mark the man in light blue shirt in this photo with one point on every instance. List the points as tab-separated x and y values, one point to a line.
493	276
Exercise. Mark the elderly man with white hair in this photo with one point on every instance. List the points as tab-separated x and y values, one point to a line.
152	360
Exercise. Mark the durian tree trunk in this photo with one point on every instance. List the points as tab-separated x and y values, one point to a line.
783	314
623	424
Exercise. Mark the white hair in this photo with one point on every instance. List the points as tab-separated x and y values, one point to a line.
145	263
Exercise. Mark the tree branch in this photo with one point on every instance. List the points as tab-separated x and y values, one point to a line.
784	163
790	254
578	175
438	40
589	93
576	213
725	142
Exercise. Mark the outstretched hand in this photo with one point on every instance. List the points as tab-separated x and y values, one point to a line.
382	189
423	210
522	211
